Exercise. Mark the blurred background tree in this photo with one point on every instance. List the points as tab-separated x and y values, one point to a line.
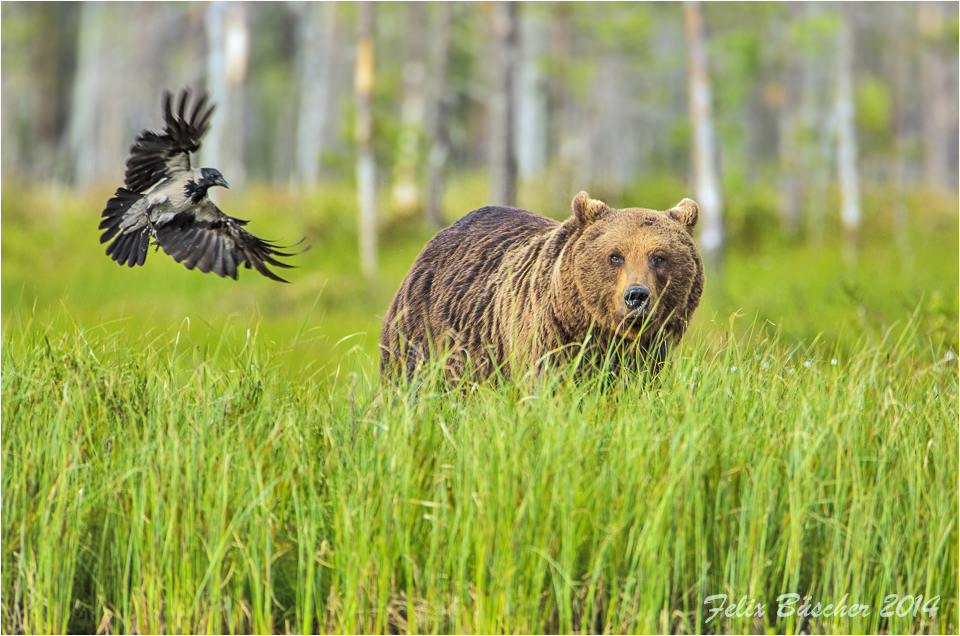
806	98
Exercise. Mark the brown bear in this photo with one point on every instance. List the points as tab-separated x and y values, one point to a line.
503	289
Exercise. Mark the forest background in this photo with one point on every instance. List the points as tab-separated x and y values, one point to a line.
820	127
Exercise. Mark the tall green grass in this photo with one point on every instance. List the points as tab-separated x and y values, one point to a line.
155	486
183	453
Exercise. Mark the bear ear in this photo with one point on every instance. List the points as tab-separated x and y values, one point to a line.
686	213
588	210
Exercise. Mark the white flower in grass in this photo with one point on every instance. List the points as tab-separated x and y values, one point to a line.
789	371
833	362
733	369
808	364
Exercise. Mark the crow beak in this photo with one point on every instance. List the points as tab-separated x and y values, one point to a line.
222	182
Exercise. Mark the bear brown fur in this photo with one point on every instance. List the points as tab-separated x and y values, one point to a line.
502	288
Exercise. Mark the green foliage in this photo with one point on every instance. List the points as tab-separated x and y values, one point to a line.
679	140
874	112
737	57
751	217
658	192
814	33
617	28
952	31
206	489
188	454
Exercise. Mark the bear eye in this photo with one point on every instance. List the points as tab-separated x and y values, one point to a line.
658	259
616	259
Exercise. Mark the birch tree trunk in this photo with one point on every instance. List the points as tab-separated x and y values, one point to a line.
227	52
82	127
366	166
406	189
706	175
790	132
316	36
531	142
503	160
940	111
847	136
437	118
819	120
216	78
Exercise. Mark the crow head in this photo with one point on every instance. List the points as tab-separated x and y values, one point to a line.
209	177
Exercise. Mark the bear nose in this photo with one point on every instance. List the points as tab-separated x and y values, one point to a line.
636	297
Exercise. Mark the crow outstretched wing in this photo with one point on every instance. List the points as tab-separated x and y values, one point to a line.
165	200
155	156
210	240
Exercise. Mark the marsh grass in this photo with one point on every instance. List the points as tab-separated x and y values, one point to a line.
153	486
187	454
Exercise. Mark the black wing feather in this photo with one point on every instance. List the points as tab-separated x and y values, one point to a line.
113	214
219	245
154	156
199	249
131	247
214	261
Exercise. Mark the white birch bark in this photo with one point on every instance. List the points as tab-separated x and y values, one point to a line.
531	138
366	165
83	125
706	175
227	53
848	172
315	43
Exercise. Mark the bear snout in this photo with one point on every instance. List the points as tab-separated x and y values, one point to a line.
636	297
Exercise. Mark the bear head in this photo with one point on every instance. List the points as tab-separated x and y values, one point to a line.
637	272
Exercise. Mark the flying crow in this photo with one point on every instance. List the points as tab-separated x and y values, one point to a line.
164	199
